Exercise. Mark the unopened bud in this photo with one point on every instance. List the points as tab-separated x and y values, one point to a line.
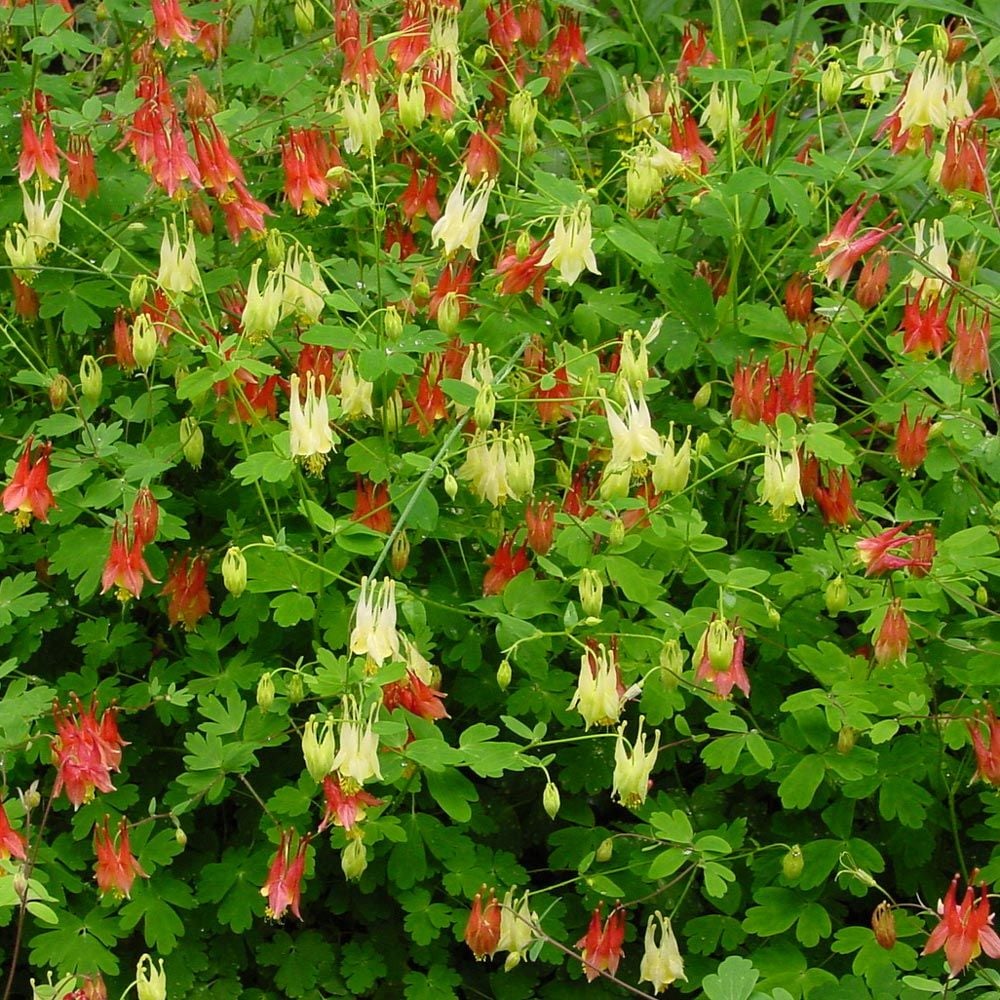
773	614
274	247
392	413
793	863
701	445
672	658
58	391
234	570
20	885
523	245
831	84
591	590
265	692
523	111
967	263
940	39
846	738
884	925
703	396
836	596
31	798
143	341
616	534
550	800
91	379
296	688
354	859
449	313
192	442
982	597
181	837
481	54
305	16
399	557
392	324
138	290
604	850
318	751
504	674
450	485
562	474
420	289
485	408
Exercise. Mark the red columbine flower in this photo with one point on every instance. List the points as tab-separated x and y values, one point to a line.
565	51
694	50
39	153
307	158
413	37
893	636
842	248
552	394
759	132
987	757
125	566
25	297
170	22
922	551
416	697
28	492
430	404
85	751
518	274
877	553
420	198
798	298
971	354
529	16
283	887
686	140
116	867
540	518
12	843
145	515
504	27
81	171
482	932
873	279
455	277
965	151
504	565
482	155
717	278
925	324
584	485
343	809
602	946
729	676
911	442
965	929
835	499
371	505
187	590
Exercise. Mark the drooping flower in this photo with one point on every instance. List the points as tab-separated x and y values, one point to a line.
911	442
598	696
835	498
841	249
630	782
521	272
28	494
85	751
357	757
12	844
39	153
518	927
145	515
482	932
319	749
416	697
661	963
602	946
987	754
893	635
126	566
632	438
694	50
186	587
283	887
343	809
720	658
81	171
878	556
965	929
570	249
460	223
779	485
925	323
374	634
970	356
171	23
540	519
116	868
504	564
371	505
873	279
311	437
565	51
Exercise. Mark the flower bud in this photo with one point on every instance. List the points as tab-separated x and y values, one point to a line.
703	396
20	885
523	111
672	658
836	596
701	445
485	408
143	341
411	101
151	985
563	476
138	290
296	688
392	324
265	692
846	738
318	751
31	799
831	84
504	674
450	485
591	590
354	859
58	391
550	800
719	644
884	925
399	557
616	534
967	263
773	614
420	289
274	248
392	413
192	442
982	597
305	16
234	570
792	863
482	53
523	245
604	850
449	313
91	379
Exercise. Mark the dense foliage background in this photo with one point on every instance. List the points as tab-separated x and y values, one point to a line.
646	348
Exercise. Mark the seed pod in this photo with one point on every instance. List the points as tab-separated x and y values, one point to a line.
884	925
354	859
836	596
617	533
138	290
703	396
91	379
181	837
604	850
192	442
399	557
58	391
793	863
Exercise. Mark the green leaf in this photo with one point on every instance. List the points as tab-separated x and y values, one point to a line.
666	863
452	791
799	787
674	826
735	980
16	601
266	465
291	608
632	243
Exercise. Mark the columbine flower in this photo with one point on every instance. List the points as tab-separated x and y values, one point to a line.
116	867
661	963
720	658
178	265
485	467
911	442
843	249
504	565
876	62
85	752
374	634
126	565
150	985
362	118
570	249
518	924
303	289
602	947
598	697
186	587
673	466
311	437
262	309
355	392
12	843
540	519
28	492
357	759
41	225
893	636
987	756
633	438
318	751
780	486
965	929
283	887
343	809
632	769
971	354
933	254
482	932
463	215
416	697
876	553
